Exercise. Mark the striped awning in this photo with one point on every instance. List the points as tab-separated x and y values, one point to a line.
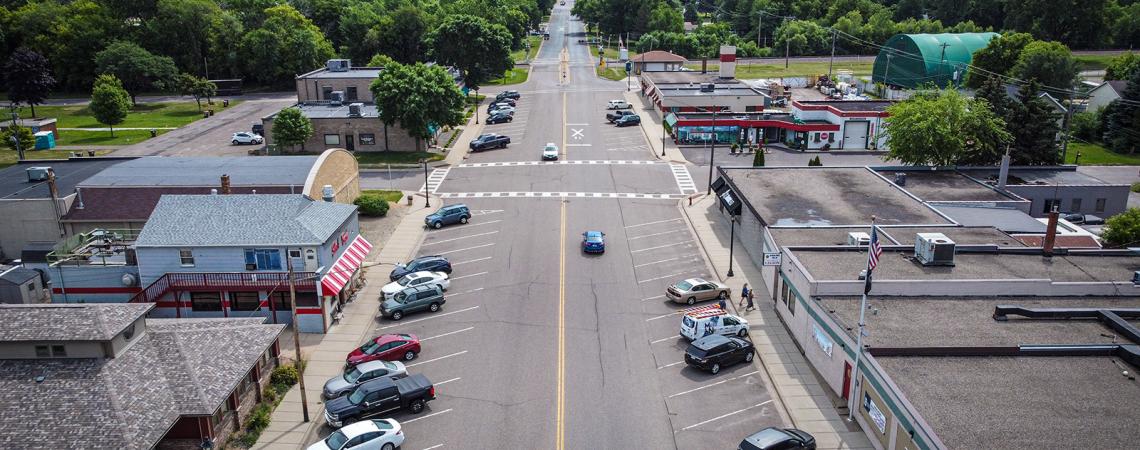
350	260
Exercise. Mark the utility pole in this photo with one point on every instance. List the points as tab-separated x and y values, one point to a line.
712	152
942	59
787	53
760	29
831	64
887	73
16	136
297	340
1065	132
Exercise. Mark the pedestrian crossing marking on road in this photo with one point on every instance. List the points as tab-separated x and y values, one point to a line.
624	195
435	179
684	180
535	163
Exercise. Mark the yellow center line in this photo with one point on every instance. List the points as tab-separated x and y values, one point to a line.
564	126
559	438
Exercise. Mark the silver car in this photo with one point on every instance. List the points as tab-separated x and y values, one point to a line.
695	290
343	384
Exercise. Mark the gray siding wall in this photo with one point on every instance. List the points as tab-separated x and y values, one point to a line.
23	221
1116	198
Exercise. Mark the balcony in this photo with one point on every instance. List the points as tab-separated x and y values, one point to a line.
225	281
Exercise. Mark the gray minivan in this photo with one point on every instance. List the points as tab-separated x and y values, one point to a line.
415	298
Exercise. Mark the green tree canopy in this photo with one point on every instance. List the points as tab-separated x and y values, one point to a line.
1049	63
944	128
285	45
198	34
666	18
1123	230
1122	122
23	135
196	87
291	128
28	78
1122	66
999	56
1033	124
68	34
401	35
418	96
110	103
479	49
137	68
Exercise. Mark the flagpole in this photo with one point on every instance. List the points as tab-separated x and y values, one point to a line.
859	337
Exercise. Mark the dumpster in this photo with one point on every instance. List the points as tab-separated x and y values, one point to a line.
45	140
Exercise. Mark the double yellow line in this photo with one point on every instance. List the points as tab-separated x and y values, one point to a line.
559	439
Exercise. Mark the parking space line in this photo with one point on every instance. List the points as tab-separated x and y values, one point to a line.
471	261
656	234
433	316
435	359
670	365
458	238
468	225
466	292
691	256
663	340
469	276
722	416
465	249
424	417
432	447
664	277
663	316
754	372
652	223
660	246
447	334
653	297
448	381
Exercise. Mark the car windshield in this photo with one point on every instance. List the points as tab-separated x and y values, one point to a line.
769	437
684	285
352	375
356	396
382	424
400	298
369	348
336	440
407	279
389	365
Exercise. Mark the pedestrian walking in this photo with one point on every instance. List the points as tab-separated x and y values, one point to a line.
751	296
743	295
723	304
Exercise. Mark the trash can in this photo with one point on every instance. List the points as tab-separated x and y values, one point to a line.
225	103
210	111
153	132
205	114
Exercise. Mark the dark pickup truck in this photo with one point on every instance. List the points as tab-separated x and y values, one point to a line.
613	116
487	141
380	396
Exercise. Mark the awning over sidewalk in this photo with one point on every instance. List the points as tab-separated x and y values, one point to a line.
345	266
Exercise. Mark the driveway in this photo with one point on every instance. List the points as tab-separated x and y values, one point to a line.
211	136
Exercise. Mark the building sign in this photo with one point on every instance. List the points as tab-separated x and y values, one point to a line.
874	412
772	259
822	339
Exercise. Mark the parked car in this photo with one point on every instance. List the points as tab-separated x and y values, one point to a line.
415	279
490	140
628	120
594	242
695	290
244	137
360	374
501	109
416	298
618	104
773	438
378	434
423	263
613	116
514	95
380	396
550	152
447	215
499	117
703	321
714	352
505	101
1084	219
385	347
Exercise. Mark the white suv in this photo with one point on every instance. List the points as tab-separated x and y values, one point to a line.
550	152
705	320
246	138
618	104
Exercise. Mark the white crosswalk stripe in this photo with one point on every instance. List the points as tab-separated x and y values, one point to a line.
684	180
536	163
435	179
627	195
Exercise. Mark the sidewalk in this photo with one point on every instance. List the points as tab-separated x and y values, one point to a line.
805	403
325	353
652	126
458	153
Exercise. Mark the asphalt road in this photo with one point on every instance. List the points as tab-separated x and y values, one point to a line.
540	345
211	136
396	179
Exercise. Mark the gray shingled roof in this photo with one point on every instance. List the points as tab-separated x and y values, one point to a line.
179	367
205	171
67	322
17	275
240	220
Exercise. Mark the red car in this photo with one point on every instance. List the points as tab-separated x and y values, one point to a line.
386	347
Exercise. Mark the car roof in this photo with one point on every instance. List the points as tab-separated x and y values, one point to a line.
696	281
377	384
422	287
768	437
427	258
358	428
593	234
421	273
386	338
709	341
372	365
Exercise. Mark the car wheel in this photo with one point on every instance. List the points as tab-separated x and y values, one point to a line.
437	225
409	355
387	446
397	315
748	357
715	369
417	406
742	332
463	219
235	142
434	307
723	295
691	300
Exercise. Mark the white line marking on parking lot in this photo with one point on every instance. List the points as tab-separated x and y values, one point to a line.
448	334
448	381
663	277
663	316
665	260
670	365
652	223
714	384
654	234
471	261
432	447
659	246
663	339
653	298
579	145
723	416
463	249
469	225
435	359
469	276
577	124
427	318
466	292
424	417
459	238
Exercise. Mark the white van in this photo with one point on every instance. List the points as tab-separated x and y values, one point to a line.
618	104
705	320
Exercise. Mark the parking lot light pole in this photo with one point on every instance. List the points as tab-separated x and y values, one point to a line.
731	241
427	192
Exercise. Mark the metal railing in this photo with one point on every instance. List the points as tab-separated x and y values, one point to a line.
197	281
67	248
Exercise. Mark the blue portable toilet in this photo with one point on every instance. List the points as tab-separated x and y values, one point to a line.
45	140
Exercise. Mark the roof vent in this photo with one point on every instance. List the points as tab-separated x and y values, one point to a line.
934	249
327	193
37	174
338	65
354	109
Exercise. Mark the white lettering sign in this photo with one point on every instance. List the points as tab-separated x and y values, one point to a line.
822	339
771	259
875	414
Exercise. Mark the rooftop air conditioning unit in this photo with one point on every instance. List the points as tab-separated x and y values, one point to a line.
354	109
336	98
934	249
338	65
708	87
858	238
37	174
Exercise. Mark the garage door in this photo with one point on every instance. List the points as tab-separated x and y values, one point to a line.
855	134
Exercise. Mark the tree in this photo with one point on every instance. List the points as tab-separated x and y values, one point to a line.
1034	129
815	162
23	135
1050	63
285	45
803	37
1122	66
1123	229
666	18
418	97
1122	124
198	35
997	57
993	92
68	34
479	49
691	13
944	128
109	101
28	77
291	128
401	35
1078	23
758	159
137	68
372	205
381	60
196	87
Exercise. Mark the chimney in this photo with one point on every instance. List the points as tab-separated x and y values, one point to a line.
728	61
327	193
225	184
1050	233
1003	174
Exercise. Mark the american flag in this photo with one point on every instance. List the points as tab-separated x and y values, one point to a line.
875	250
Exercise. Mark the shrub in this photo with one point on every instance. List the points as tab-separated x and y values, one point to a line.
259	419
372	205
758	160
284	375
1123	229
1136	187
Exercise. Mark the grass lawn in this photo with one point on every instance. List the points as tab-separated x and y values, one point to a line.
612	72
795	69
9	157
1093	62
149	115
390	157
521	55
390	196
514	76
610	52
1095	155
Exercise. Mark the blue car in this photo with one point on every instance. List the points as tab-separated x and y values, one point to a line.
448	215
433	263
594	242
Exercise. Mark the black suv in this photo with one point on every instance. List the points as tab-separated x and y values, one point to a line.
499	117
715	351
628	120
513	95
615	115
423	263
490	140
380	396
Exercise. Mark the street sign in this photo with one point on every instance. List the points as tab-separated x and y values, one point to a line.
628	66
771	259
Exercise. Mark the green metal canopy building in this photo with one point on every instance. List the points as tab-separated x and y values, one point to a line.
912	60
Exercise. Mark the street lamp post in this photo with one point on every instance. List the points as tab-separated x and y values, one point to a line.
731	241
712	151
663	135
427	192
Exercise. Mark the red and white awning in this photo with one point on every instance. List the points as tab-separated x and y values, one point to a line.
345	266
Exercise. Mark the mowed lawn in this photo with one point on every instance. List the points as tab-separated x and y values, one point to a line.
794	69
160	116
9	157
1096	155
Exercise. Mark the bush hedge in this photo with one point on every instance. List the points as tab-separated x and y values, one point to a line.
372	205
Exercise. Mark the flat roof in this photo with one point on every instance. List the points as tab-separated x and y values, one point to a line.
1006	219
794	196
69	173
326	111
1021	402
194	171
945	185
354	72
1019	177
831	236
851	105
686	77
838	264
695	91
